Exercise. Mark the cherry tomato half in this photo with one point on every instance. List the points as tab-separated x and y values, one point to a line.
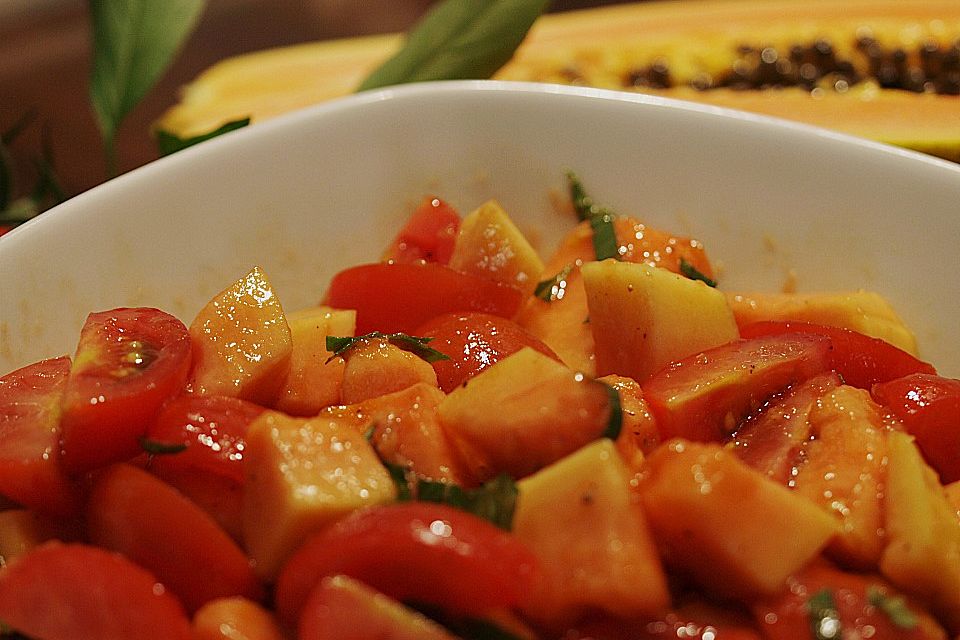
704	397
30	471
78	592
128	363
422	552
138	515
428	235
861	360
473	342
929	407
401	297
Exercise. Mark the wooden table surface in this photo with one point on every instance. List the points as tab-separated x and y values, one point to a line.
45	63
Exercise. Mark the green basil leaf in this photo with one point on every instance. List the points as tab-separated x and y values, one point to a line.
582	203
459	39
601	219
168	143
693	273
615	423
155	447
494	501
338	345
133	42
604	236
895	607
824	616
553	288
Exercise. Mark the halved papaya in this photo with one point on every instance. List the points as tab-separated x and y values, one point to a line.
882	69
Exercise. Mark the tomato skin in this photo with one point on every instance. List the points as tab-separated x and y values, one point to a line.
430	234
138	515
78	592
212	428
30	469
704	397
929	407
422	552
861	360
401	297
473	342
129	362
787	617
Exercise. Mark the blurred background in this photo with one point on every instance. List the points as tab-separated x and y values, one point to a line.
45	63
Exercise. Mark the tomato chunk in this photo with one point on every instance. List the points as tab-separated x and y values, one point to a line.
429	234
421	552
843	605
401	297
929	407
132	512
78	592
861	360
30	471
473	342
129	362
209	428
704	397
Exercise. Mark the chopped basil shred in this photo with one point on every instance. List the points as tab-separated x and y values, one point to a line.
415	345
693	273
157	448
615	423
895	608
824	615
600	218
494	501
553	288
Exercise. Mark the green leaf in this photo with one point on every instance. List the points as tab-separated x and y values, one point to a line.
824	616
157	448
615	423
459	39
494	501
693	273
895	607
417	346
553	288
582	203
601	219
133	43
168	143
604	236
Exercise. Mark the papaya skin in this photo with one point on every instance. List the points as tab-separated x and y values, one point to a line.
615	47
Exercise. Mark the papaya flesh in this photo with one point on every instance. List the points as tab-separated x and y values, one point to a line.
882	69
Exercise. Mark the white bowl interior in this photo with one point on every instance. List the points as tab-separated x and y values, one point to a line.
313	192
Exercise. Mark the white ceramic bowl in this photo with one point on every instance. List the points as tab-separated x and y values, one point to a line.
310	193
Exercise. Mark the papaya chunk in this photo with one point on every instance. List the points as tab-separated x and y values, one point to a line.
537	411
734	531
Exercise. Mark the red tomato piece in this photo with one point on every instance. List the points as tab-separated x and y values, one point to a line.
133	512
704	397
421	552
78	592
401	297
861	360
866	607
30	471
929	407
428	235
473	342
128	363
209	467
210	428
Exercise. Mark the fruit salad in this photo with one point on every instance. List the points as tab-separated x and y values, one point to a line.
464	440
